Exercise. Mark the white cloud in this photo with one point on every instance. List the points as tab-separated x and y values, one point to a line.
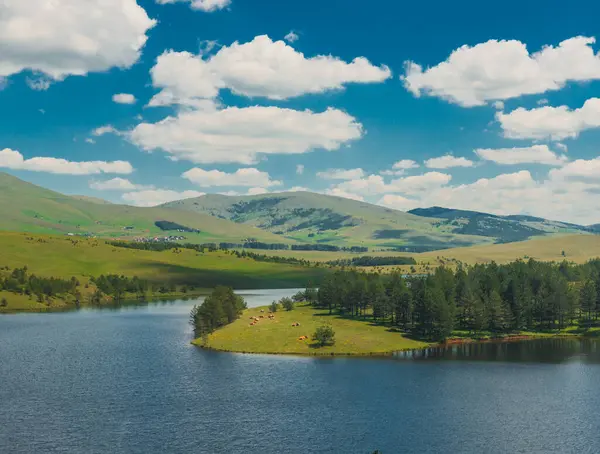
375	184
299	169
499	70
447	162
259	68
124	98
556	123
341	174
208	6
257	191
398	202
371	185
536	154
405	164
12	159
60	38
241	177
400	167
241	135
90	140
153	197
580	170
346	195
102	130
116	184
38	83
561	146
498	105
291	37
297	189
568	193
542	102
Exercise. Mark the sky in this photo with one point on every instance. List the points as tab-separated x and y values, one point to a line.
148	101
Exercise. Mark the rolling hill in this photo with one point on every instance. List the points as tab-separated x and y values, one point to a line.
505	229
316	218
26	207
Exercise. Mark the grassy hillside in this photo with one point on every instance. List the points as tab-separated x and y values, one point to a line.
316	218
577	248
29	208
504	229
67	256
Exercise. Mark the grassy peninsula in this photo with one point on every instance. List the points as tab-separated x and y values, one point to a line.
278	336
375	313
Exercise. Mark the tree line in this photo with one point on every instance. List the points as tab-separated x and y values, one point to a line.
19	280
373	261
532	296
220	308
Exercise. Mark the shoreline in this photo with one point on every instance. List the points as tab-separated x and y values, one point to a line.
105	304
452	342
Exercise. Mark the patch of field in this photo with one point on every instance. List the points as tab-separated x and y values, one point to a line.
353	336
577	248
70	256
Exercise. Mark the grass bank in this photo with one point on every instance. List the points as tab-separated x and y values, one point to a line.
62	256
278	336
17	303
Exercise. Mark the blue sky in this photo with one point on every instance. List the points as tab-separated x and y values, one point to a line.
401	105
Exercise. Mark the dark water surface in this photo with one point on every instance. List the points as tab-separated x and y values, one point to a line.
128	381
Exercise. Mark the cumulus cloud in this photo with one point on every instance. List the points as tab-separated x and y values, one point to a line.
12	159
400	167
499	70
341	174
61	38
579	170
103	130
124	98
447	162
536	154
241	177
556	123
291	37
154	197
257	191
346	195
398	202
208	6
259	68
241	135
375	184
116	184
568	193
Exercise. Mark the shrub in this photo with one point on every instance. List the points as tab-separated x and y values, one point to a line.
324	335
273	307
287	303
3	303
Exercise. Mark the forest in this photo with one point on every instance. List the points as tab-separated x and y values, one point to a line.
19	280
220	308
501	299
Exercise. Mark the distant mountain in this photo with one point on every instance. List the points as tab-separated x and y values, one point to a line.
505	229
595	228
316	218
26	207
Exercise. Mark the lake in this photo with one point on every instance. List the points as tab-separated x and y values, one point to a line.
127	380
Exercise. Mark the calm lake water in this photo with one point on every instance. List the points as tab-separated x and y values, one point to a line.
128	381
